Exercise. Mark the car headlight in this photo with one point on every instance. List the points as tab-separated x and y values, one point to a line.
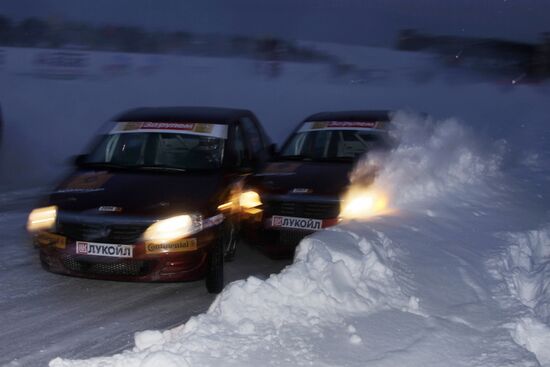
362	203
173	228
41	219
249	199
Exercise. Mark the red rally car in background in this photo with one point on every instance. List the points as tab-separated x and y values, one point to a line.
156	198
300	191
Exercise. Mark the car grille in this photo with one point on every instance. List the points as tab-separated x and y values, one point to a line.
304	210
126	267
118	233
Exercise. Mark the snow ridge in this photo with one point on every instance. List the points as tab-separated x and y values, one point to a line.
335	274
524	267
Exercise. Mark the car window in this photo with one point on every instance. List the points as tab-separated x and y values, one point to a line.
179	150
265	138
122	149
252	134
160	150
241	151
329	144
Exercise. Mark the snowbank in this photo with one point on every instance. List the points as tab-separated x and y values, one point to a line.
524	267
331	278
535	337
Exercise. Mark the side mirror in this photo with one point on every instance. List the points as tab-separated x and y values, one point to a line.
245	170
272	149
232	163
230	160
79	159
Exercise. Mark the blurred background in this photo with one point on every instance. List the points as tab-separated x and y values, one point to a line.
67	67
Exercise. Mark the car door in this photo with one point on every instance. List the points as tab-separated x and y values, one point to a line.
241	149
238	167
256	140
238	162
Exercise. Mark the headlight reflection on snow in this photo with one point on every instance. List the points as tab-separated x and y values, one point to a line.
362	203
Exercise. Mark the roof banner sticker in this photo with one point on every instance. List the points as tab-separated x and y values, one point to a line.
341	125
214	130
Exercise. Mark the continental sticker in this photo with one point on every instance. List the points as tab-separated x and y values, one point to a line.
51	239
193	128
341	125
189	244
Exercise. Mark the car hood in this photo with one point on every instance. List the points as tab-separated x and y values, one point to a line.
150	194
315	178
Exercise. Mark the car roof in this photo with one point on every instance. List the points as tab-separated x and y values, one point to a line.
177	114
359	115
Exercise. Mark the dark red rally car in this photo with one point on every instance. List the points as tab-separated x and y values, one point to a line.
301	190
157	198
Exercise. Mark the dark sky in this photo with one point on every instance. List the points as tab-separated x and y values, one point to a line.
347	21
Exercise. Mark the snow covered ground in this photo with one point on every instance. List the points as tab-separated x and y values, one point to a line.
45	315
456	274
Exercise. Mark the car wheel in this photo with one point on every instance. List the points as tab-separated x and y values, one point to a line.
230	237
214	275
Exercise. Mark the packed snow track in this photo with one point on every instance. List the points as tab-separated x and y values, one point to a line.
45	315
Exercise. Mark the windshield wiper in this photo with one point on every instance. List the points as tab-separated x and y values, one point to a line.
297	157
131	167
159	167
102	165
335	159
315	159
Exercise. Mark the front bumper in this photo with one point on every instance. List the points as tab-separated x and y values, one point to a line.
185	260
285	220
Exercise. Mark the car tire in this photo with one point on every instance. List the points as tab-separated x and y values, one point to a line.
230	238
214	275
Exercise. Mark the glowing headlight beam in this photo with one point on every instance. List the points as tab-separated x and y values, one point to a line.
362	204
249	199
173	228
226	206
41	219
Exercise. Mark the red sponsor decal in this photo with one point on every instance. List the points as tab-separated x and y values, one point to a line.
81	247
330	222
188	126
352	124
277	221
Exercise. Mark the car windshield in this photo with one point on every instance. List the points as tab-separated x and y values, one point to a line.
155	150
337	145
